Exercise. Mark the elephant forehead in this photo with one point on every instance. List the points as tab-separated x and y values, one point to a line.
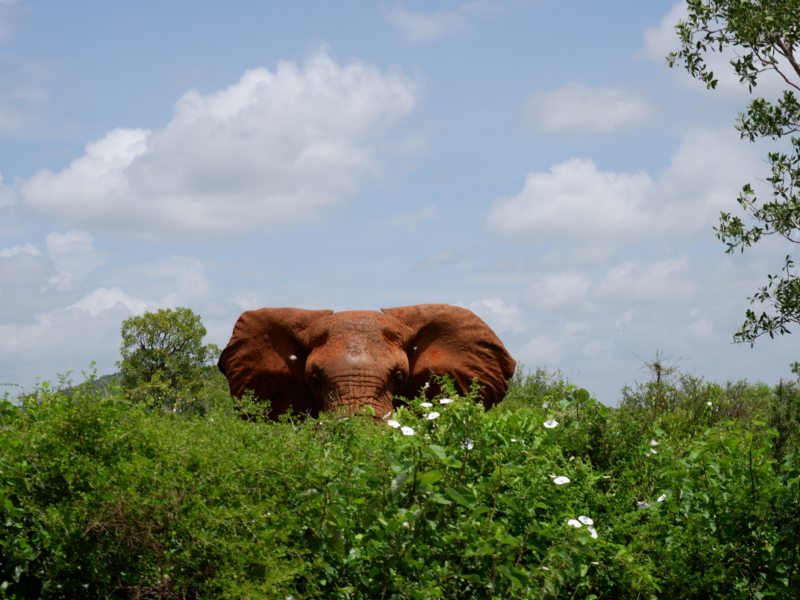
358	332
356	323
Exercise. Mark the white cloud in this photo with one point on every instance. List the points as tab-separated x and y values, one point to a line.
441	259
103	299
420	26
7	17
425	27
410	220
176	281
565	292
274	149
545	350
576	109
661	39
575	200
27	249
73	256
668	281
500	316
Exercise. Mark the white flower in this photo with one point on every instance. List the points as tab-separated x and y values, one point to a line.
387	415
407	430
561	480
545	405
427	383
426	404
546	568
551	423
393	423
585	520
642	504
432	416
212	420
595	563
445	401
292	357
513	440
593	531
661	498
654	443
574	523
653	451
467	444
415	347
709	403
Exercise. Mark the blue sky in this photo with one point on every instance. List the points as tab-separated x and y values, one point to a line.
534	161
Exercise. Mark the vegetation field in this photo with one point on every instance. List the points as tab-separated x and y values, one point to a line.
688	489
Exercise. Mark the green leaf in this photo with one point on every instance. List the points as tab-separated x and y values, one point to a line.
397	483
480	510
430	477
510	502
438	452
458	497
480	551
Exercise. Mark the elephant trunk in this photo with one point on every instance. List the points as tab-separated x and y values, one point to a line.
353	395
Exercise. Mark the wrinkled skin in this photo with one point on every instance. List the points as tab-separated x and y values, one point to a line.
313	361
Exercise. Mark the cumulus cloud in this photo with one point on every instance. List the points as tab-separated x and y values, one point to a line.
548	350
176	281
501	317
563	292
667	281
103	299
410	220
418	26
441	259
23	284
578	201
73	256
27	249
8	14
421	26
576	109
274	149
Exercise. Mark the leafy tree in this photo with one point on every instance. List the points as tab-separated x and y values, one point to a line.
164	361
764	36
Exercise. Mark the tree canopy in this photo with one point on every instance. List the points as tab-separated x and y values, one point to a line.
763	35
164	358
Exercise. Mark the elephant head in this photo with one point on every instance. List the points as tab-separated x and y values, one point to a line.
317	360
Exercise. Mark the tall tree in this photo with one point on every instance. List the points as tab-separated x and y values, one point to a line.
763	35
164	360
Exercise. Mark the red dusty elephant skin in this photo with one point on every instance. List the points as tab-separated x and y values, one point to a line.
315	360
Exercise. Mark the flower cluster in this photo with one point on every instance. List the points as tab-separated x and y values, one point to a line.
581	521
430	417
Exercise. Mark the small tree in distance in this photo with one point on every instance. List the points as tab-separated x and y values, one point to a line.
164	361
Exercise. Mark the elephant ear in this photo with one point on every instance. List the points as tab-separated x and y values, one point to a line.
259	358
453	340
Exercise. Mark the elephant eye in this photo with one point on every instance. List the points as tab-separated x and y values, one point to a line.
315	379
398	377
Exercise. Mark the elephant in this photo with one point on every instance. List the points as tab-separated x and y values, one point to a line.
317	360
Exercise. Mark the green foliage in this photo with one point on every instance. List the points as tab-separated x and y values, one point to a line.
165	363
102	498
764	34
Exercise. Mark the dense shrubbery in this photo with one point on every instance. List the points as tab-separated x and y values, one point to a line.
691	488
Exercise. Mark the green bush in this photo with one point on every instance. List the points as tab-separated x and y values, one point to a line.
102	498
